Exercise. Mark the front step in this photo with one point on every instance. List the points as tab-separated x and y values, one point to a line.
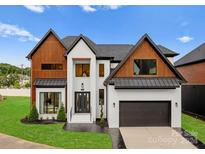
81	118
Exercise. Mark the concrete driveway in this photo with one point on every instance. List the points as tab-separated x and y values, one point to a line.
10	142
154	138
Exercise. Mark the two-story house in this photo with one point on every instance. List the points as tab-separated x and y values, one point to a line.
137	84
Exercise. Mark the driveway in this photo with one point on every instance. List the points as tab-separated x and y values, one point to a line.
10	142
154	138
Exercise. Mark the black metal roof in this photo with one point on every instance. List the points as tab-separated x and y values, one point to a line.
50	82
196	55
145	83
167	52
115	51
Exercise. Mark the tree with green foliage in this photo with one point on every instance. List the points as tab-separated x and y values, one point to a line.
17	84
33	116
61	113
27	85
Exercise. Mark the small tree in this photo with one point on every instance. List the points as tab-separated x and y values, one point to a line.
61	113
33	116
102	120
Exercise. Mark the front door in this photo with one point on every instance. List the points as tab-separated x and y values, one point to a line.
82	102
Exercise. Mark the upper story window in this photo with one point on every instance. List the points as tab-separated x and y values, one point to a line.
82	70
51	66
145	67
101	70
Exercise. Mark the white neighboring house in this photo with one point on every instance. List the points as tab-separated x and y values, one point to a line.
137	84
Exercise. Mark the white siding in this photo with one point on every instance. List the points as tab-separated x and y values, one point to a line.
100	85
114	96
81	50
171	59
113	65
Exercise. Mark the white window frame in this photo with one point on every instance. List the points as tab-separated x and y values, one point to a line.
39	90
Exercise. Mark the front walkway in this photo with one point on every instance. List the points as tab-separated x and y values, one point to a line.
154	138
117	141
10	142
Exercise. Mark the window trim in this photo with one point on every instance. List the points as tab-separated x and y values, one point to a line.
82	70
101	64
144	74
51	69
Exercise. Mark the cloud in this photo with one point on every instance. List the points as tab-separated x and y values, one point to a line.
185	39
88	8
35	8
112	7
8	30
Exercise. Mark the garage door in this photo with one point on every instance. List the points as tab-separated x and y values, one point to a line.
145	113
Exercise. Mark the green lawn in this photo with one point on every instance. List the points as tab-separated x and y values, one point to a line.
14	108
194	126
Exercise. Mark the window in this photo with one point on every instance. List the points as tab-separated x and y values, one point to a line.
101	96
82	70
145	67
49	102
101	70
51	66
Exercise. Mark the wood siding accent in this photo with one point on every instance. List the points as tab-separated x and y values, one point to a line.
193	73
144	51
50	52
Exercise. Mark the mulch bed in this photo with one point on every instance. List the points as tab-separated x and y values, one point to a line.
26	121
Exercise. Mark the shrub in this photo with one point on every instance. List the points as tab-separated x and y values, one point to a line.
61	113
33	116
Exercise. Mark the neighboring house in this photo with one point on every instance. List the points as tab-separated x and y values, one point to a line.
192	65
137	84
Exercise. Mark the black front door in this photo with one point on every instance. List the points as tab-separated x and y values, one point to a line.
82	102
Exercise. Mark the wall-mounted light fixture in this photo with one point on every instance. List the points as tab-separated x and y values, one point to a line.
114	104
176	104
82	86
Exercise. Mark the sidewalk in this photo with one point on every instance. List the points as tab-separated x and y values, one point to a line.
10	142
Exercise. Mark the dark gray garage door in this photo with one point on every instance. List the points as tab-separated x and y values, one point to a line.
145	113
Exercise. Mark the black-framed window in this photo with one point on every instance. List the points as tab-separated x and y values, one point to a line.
82	70
145	67
49	102
82	102
51	66
101	96
101	70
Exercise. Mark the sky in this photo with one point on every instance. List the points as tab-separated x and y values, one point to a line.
179	28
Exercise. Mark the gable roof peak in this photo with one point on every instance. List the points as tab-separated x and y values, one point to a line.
133	50
42	40
88	42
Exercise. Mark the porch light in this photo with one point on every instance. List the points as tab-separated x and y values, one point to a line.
176	104
82	86
114	104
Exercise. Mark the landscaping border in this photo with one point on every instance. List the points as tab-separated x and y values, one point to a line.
193	140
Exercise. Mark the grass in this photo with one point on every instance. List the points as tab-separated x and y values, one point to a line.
194	126
14	108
